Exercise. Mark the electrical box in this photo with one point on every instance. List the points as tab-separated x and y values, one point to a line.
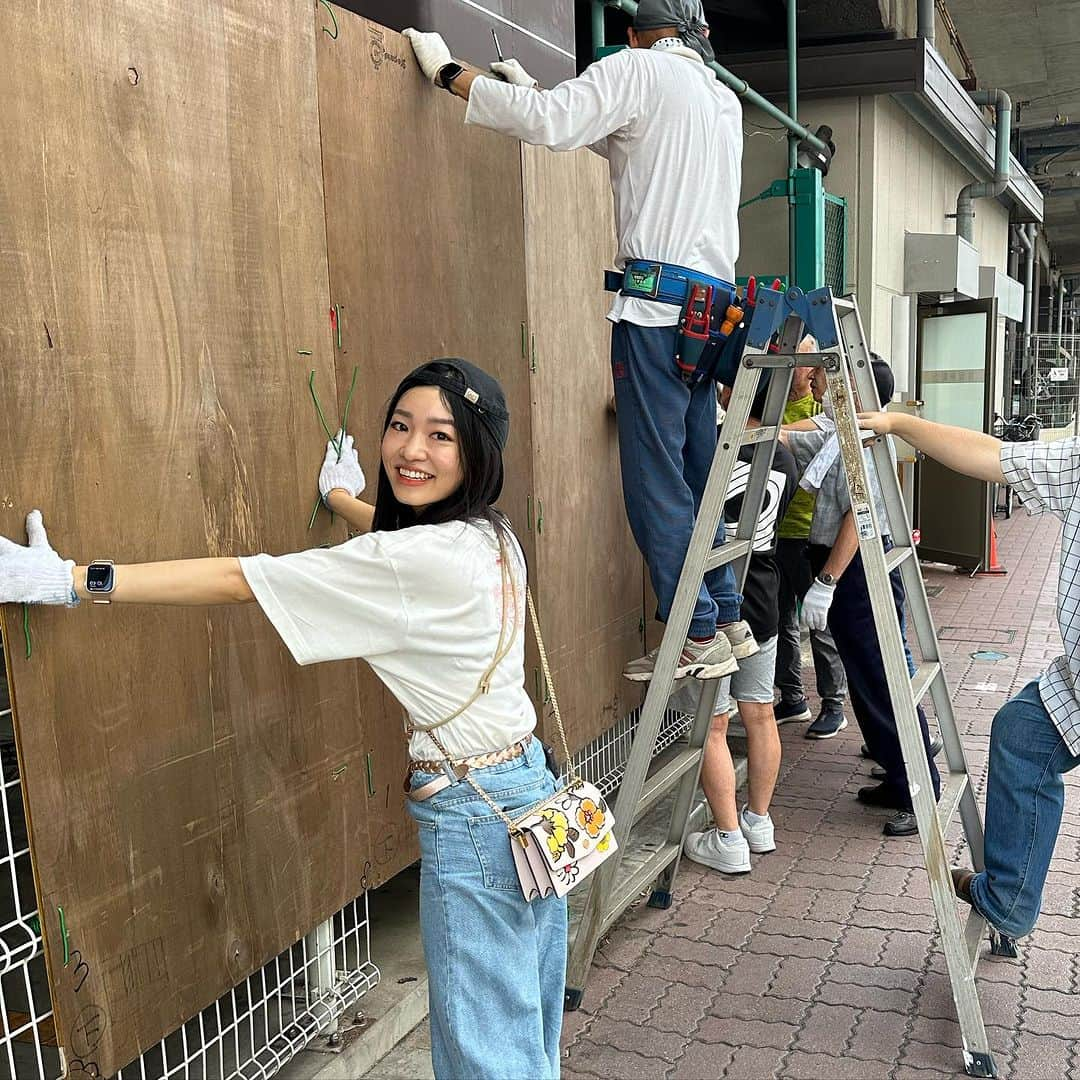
1007	291
941	264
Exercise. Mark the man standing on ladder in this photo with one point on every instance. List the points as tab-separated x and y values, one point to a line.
672	136
1035	738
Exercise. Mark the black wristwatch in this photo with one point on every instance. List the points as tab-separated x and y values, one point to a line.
447	74
826	579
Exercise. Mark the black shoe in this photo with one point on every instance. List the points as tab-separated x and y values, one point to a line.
961	883
936	746
902	824
865	753
789	712
885	795
830	722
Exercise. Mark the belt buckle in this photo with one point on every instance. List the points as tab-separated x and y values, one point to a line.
644	278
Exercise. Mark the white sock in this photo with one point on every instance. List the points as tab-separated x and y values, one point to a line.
754	819
729	837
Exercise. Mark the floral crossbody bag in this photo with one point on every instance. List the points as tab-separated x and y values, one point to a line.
559	842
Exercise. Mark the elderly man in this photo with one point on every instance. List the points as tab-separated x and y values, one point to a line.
672	136
1035	737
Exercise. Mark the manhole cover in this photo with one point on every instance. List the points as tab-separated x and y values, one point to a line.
988	654
979	634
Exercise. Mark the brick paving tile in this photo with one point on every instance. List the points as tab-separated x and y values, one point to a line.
753	1007
860	945
621	948
737	1032
808	1066
635	998
705	953
890	920
682	1008
946	1033
1052	1023
1041	1056
905	1072
1053	1001
753	1063
947	1058
803	928
574	1025
702	1061
602	982
605	1061
875	975
752	973
658	966
780	945
865	997
794	903
905	949
878	1036
797	977
643	1041
826	1029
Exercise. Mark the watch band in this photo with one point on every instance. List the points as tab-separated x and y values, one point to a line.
447	74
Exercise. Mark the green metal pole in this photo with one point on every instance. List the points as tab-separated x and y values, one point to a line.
598	41
792	81
742	88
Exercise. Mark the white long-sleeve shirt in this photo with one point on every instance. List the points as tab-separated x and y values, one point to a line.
672	136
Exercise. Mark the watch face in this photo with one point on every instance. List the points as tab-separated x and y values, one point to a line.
99	577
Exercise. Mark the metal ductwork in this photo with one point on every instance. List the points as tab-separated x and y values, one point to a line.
965	210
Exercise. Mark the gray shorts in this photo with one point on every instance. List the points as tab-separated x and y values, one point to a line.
752	682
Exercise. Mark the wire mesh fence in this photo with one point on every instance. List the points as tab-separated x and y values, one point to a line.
249	1033
835	244
1050	380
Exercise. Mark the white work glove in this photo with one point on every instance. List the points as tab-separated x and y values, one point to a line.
513	73
432	53
346	473
816	604
34	574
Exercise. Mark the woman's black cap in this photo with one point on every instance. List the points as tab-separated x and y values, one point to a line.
480	391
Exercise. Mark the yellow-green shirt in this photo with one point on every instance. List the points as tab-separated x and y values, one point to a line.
800	512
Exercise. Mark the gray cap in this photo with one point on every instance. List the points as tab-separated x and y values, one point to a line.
687	16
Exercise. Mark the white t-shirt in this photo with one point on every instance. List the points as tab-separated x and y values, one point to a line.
672	136
423	607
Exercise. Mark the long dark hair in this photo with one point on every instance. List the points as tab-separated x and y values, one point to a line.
481	464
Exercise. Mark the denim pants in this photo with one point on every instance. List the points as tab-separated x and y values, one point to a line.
496	963
667	438
851	620
795	578
1024	799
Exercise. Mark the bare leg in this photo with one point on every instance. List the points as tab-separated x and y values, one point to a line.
718	776
762	751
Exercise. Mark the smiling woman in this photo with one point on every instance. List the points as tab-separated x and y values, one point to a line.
432	596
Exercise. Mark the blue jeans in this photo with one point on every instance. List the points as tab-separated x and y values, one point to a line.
667	438
1024	799
496	963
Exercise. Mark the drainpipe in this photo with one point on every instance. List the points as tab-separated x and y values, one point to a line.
1026	235
598	40
965	211
926	21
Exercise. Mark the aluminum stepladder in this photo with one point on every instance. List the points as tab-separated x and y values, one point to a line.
846	359
613	888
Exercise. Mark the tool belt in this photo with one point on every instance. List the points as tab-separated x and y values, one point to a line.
711	310
453	771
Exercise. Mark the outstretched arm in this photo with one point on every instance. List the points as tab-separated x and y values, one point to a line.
968	452
183	582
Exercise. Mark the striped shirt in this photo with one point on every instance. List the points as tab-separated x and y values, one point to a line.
1047	477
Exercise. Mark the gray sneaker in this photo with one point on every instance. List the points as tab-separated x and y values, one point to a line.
740	637
728	856
701	659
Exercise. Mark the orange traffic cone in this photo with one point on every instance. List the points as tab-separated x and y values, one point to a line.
995	567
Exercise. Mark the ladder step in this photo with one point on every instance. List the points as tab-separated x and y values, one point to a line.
729	552
923	679
953	786
895	557
754	435
627	889
664	779
974	928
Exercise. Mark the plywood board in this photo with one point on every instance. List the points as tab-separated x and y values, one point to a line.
193	794
588	568
426	246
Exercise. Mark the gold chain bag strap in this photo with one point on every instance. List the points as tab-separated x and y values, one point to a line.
559	842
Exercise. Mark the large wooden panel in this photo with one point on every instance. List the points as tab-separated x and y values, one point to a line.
195	798
426	247
588	567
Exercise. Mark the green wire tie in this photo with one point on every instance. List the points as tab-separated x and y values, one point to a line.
326	427
64	935
370	778
333	36
26	630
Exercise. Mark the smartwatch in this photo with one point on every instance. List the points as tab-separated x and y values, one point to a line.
100	580
447	74
826	579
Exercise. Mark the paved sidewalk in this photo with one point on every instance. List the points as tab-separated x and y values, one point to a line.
822	962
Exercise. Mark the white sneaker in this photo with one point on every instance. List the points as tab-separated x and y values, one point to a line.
702	659
741	639
730	856
760	836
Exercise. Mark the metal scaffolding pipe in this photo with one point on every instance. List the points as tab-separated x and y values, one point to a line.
926	21
740	86
792	80
965	210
